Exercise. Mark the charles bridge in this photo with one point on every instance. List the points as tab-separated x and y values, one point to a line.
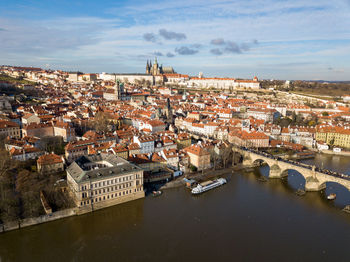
315	178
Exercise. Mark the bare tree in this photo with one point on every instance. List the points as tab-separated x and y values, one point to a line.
213	157
100	122
226	155
6	163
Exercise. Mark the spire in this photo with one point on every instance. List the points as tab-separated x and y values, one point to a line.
155	60
147	67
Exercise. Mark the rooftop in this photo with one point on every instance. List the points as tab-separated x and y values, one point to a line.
99	166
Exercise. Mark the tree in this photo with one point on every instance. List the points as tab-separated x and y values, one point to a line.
213	157
226	155
6	163
100	122
9	201
294	117
193	168
325	114
52	144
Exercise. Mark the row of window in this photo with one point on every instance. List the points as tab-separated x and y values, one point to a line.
108	197
110	189
110	182
106	190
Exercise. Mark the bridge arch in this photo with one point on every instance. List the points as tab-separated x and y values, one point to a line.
264	167
329	183
342	192
296	179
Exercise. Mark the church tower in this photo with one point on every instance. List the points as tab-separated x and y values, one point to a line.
169	111
148	68
155	67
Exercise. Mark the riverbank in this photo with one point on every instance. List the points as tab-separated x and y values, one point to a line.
207	174
330	152
76	211
32	221
22	223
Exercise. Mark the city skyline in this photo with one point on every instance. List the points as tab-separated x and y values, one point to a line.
270	39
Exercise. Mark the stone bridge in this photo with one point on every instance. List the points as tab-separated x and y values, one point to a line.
314	180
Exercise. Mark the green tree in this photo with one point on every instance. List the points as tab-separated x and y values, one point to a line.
193	168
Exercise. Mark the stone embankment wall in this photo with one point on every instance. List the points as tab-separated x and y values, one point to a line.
37	220
67	213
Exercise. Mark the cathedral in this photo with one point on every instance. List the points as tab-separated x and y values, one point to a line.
155	69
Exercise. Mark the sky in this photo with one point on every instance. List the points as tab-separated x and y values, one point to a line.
271	39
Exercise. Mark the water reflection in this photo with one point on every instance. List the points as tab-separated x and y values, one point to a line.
244	220
295	181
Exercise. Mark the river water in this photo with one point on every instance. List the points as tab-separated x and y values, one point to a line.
244	220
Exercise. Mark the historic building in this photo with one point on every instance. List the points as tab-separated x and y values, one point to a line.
115	93
104	180
156	69
50	163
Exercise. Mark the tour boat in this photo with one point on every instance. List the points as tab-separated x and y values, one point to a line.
157	193
331	196
200	188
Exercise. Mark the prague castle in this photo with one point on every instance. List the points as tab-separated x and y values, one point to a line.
155	69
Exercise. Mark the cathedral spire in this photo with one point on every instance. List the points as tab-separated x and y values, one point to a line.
147	67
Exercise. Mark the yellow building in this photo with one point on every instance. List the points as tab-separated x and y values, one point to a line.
104	180
334	136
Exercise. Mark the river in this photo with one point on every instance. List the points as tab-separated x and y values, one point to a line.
244	220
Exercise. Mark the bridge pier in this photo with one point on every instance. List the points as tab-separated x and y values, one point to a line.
313	184
247	162
276	172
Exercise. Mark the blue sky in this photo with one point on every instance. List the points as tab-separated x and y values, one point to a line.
286	39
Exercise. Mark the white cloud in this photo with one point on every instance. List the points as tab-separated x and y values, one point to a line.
284	29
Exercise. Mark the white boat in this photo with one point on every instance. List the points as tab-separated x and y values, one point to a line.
331	196
208	185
